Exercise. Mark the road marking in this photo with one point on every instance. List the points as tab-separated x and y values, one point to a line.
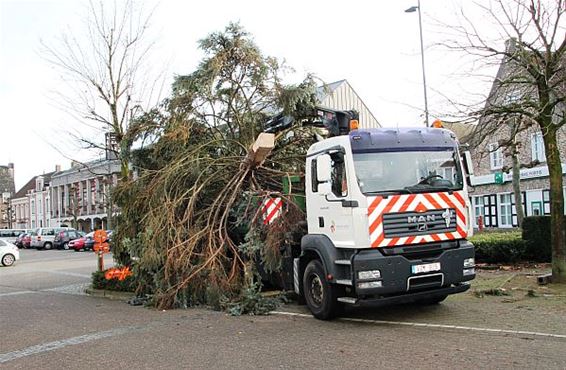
58	344
75	289
437	326
17	293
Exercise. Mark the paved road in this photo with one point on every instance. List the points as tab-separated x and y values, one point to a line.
47	322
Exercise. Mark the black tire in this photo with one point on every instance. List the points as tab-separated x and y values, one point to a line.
431	301
47	246
8	259
320	295
66	246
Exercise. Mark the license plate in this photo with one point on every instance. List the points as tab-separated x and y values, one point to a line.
428	267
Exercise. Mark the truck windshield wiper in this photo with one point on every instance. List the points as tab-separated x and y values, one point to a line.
441	188
389	192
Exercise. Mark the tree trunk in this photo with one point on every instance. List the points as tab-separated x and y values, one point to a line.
558	236
517	184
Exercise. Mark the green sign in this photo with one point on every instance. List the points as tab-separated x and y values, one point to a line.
498	177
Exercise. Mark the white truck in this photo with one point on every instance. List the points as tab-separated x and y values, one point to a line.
388	216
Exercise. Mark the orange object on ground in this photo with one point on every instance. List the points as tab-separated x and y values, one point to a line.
118	273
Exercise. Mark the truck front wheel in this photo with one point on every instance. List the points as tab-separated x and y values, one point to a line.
320	295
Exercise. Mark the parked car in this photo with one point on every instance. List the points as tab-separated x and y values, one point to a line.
27	240
80	244
20	240
42	238
9	253
63	237
10	235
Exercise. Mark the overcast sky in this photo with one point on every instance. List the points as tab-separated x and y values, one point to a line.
373	44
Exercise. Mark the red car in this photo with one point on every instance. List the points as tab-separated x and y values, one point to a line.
79	244
26	240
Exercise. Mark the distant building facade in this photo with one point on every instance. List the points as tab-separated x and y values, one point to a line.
492	195
31	204
80	195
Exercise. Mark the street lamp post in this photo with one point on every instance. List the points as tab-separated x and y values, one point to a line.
412	10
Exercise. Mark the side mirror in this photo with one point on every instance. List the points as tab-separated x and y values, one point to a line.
323	168
325	188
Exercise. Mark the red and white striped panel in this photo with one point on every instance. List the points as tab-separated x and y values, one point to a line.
271	209
378	206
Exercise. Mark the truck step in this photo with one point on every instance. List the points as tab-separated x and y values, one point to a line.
344	282
349	300
342	262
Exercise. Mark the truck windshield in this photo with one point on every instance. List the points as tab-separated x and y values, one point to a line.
408	171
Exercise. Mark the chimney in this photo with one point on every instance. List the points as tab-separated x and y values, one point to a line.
57	168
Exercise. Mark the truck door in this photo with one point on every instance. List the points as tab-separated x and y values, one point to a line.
333	206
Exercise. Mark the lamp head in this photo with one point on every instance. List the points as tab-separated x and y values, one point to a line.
411	9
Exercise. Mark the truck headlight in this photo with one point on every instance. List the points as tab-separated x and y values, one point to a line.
370	284
469	262
369	275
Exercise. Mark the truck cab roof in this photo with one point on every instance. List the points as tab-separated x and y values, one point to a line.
405	138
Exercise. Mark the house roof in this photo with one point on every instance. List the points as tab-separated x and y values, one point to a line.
325	90
30	185
464	131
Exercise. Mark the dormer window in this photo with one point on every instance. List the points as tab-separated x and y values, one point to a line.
39	183
512	96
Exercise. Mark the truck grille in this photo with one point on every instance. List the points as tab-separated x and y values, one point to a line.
396	225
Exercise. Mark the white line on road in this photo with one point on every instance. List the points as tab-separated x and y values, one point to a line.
438	326
74	289
17	293
58	344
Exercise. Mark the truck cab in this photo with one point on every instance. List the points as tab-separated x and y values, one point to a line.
388	218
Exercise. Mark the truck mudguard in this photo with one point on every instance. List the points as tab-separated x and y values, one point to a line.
325	249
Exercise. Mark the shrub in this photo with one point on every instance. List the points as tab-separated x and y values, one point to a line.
499	247
536	234
100	282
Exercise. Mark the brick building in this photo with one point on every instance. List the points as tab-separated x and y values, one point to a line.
492	196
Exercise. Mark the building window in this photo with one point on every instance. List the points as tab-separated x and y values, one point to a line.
495	156
478	210
505	210
537	147
512	97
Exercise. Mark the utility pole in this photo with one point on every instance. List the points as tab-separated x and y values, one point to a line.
411	10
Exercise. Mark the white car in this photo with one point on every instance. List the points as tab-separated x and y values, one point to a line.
9	253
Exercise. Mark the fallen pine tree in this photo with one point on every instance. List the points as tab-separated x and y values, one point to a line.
192	218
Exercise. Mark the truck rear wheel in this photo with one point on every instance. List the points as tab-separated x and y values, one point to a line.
320	295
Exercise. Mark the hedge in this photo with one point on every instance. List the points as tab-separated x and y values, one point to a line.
499	247
536	234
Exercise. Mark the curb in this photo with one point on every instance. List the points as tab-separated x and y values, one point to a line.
110	294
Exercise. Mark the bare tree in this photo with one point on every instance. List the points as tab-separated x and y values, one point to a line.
531	90
107	74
